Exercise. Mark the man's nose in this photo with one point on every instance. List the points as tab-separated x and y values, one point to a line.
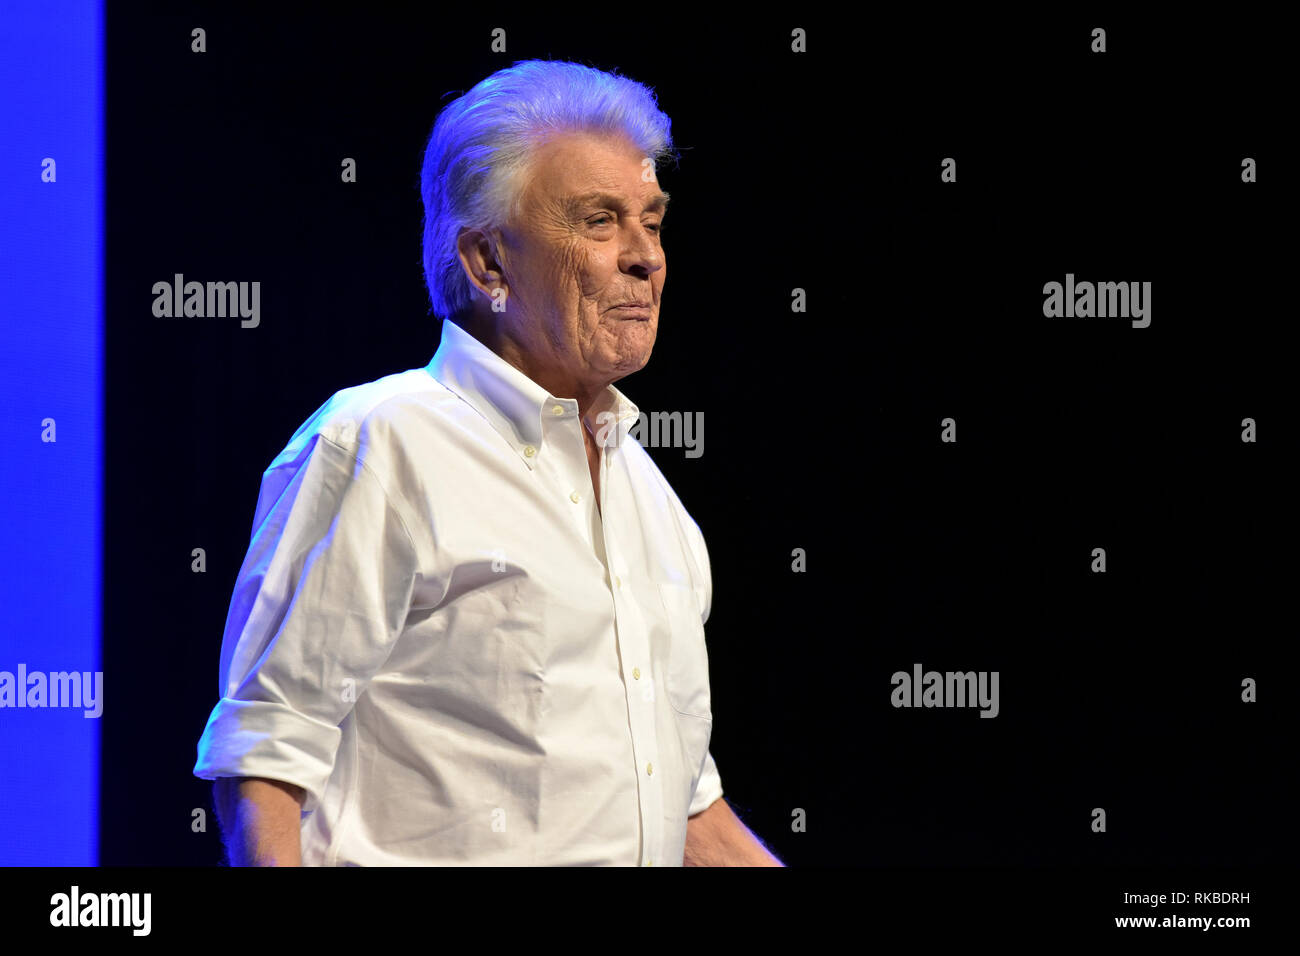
640	251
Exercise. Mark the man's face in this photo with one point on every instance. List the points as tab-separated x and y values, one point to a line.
585	244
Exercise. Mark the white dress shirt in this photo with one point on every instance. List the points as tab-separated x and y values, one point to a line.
442	641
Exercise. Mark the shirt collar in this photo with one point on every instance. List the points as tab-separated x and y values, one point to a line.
511	401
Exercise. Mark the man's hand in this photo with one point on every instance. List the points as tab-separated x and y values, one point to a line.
716	837
260	820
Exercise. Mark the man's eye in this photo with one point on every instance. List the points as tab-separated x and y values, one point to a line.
654	227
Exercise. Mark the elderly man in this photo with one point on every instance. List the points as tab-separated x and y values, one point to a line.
450	642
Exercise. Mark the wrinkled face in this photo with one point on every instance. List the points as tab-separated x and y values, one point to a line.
583	263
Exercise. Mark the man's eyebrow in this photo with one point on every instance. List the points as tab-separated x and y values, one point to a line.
657	203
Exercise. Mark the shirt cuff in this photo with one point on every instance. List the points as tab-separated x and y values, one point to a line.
709	788
253	738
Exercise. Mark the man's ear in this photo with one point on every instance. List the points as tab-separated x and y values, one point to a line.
479	258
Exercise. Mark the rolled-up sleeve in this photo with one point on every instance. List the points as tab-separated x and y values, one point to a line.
320	600
708	789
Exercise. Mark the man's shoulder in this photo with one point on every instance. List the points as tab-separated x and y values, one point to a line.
369	417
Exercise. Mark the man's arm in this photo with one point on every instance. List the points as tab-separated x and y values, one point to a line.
327	579
260	820
716	837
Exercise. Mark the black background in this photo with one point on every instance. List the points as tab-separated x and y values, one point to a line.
818	171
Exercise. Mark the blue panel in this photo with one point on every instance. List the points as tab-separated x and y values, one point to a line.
51	344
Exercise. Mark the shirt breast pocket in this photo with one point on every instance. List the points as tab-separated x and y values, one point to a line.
685	679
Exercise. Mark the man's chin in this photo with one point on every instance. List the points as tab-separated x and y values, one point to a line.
629	361
629	349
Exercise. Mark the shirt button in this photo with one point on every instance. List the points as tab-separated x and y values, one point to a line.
649	862
575	497
530	451
636	673
618	582
649	769
557	409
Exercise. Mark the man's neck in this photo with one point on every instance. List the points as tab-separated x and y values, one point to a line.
553	380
